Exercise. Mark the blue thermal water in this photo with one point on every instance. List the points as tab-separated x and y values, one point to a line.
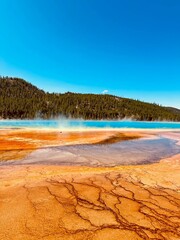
66	124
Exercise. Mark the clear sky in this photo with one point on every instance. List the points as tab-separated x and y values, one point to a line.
130	48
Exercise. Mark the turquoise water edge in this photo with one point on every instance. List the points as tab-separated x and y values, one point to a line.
64	123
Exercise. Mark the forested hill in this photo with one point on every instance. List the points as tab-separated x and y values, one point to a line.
21	100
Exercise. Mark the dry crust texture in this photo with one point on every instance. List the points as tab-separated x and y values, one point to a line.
83	203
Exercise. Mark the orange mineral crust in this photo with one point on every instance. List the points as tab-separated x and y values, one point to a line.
51	202
83	203
17	143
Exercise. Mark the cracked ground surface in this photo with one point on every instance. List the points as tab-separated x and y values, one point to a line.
51	202
100	203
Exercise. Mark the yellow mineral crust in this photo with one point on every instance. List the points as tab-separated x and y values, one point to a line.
53	202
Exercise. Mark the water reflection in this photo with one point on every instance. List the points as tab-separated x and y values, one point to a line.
122	153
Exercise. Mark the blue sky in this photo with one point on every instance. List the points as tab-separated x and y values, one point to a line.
130	48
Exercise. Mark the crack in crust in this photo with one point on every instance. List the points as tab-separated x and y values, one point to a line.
110	205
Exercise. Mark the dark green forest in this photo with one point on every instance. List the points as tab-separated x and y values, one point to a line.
21	100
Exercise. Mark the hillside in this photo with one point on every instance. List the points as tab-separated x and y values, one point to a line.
174	110
20	99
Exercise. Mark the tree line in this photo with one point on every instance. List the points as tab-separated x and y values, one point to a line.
21	100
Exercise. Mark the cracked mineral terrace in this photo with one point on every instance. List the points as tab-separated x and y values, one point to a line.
41	200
